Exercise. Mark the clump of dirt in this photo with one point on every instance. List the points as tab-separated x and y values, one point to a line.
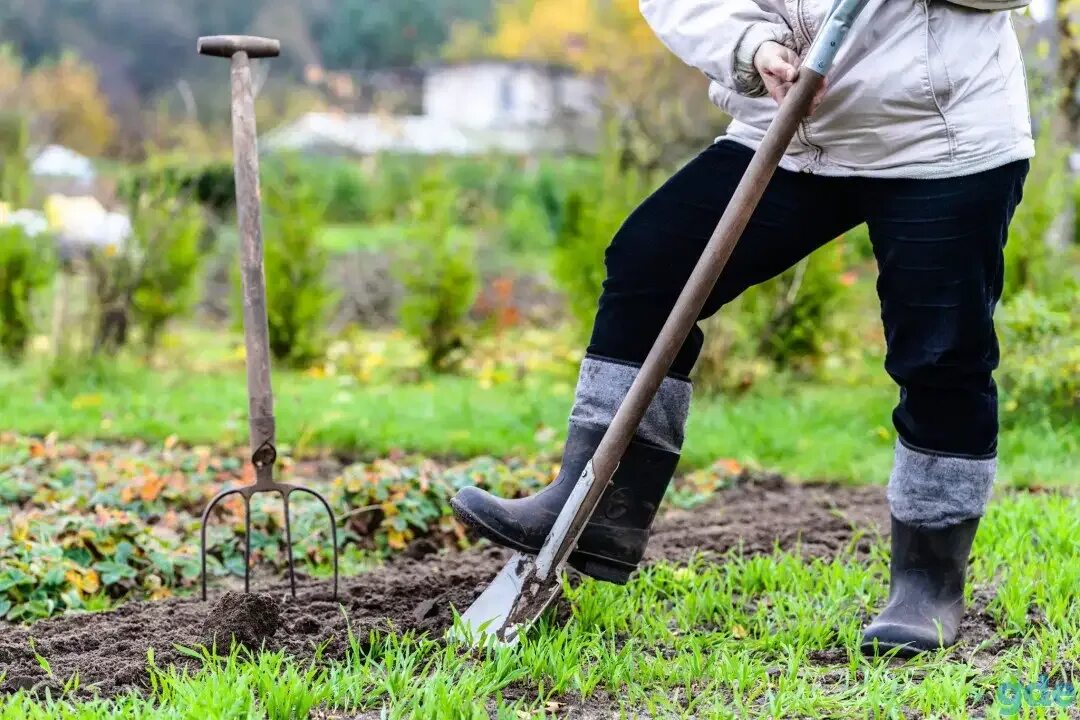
108	650
249	619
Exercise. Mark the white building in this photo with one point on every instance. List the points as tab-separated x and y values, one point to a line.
469	108
494	95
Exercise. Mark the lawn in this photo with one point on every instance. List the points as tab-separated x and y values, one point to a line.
754	632
836	430
743	636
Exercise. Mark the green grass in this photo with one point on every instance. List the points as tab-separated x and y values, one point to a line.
840	432
766	636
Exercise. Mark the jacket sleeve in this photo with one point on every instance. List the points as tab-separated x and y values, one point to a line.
719	37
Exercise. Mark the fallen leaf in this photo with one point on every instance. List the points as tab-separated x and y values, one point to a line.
151	488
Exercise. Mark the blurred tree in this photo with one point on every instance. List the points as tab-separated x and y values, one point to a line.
661	104
61	100
367	34
1068	70
64	97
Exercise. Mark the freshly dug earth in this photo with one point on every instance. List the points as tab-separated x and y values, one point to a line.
250	619
108	650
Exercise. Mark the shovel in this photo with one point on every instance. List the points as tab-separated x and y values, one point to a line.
527	586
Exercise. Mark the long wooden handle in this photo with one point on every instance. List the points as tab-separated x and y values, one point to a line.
256	332
795	108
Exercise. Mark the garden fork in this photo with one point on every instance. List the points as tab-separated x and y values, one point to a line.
240	50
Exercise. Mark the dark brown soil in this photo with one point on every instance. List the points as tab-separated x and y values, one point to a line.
249	619
108	650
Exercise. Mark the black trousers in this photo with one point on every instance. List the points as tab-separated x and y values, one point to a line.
939	247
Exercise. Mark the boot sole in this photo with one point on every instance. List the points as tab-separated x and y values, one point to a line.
596	567
878	648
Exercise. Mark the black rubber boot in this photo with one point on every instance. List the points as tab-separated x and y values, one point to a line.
613	543
926	595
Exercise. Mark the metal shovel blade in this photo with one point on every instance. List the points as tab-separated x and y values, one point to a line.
513	601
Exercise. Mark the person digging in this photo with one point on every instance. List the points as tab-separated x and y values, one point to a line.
924	134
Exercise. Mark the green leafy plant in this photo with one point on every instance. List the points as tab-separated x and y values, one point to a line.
348	194
26	267
14	166
1040	371
592	214
437	270
167	232
527	226
796	306
211	185
150	278
784	324
1028	256
390	504
298	296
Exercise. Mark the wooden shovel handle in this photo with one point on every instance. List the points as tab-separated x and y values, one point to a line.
795	109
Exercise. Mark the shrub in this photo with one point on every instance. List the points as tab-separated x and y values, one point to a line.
212	185
348	197
592	215
167	231
339	184
527	226
152	277
26	266
298	297
1046	195
550	187
1040	372
113	279
797	307
783	324
437	270
14	166
392	188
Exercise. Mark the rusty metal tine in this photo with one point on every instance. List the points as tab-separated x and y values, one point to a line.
205	516
333	531
247	542
288	541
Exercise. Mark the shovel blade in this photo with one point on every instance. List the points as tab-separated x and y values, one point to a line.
513	601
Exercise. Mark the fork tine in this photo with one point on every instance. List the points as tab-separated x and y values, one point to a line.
202	532
247	544
288	542
333	532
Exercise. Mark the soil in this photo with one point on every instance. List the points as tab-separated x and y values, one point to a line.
108	650
249	619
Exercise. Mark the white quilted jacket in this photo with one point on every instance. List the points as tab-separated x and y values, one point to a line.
922	89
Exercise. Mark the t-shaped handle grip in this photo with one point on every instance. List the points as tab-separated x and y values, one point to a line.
228	45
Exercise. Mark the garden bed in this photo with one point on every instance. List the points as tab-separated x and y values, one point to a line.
109	650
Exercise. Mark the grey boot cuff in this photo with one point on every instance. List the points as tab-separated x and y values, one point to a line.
939	491
602	385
